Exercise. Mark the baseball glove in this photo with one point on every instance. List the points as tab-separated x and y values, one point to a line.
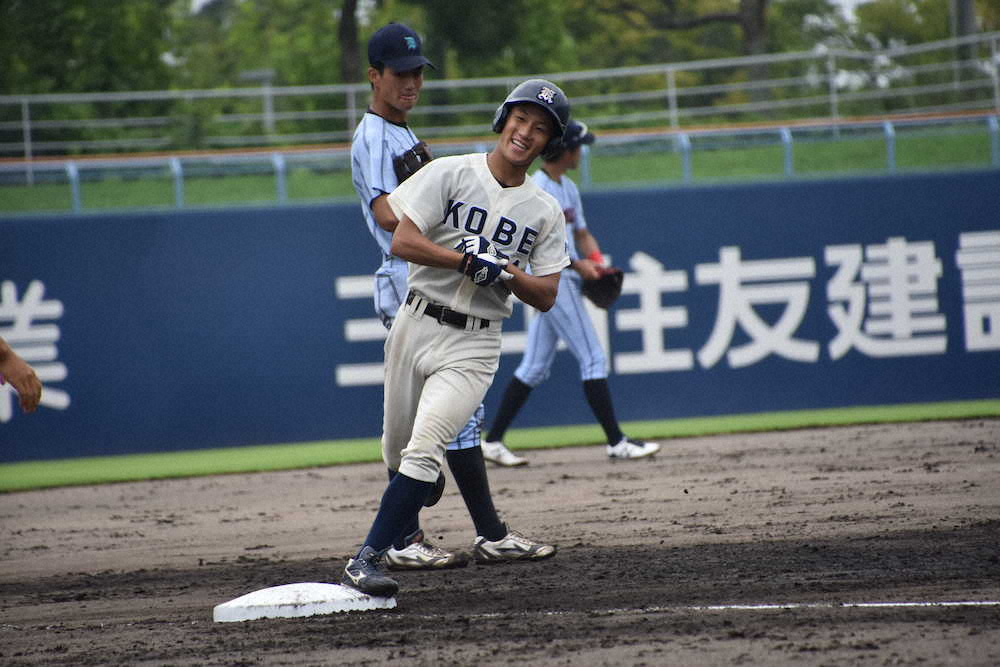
604	291
410	161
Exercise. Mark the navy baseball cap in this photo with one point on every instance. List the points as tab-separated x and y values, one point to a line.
576	134
397	47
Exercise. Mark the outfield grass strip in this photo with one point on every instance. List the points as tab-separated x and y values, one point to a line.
29	475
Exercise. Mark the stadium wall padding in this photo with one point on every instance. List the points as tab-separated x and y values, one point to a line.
176	330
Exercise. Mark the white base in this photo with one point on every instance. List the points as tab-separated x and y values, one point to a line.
295	600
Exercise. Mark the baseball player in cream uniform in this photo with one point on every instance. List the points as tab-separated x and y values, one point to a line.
468	226
384	152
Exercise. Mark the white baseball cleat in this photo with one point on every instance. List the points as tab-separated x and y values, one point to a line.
512	547
498	453
420	554
632	449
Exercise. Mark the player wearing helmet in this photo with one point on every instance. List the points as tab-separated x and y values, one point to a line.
384	153
467	225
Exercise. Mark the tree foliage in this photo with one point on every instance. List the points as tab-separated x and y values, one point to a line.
296	39
101	46
95	45
896	22
83	45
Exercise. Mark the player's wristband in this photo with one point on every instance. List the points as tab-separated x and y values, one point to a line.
463	266
596	257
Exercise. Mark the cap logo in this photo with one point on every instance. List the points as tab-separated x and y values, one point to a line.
411	43
547	95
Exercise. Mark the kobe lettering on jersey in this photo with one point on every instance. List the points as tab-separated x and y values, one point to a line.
503	236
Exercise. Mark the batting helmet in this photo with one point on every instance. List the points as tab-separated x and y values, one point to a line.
576	134
542	93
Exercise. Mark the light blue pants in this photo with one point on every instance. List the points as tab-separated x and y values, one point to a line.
567	320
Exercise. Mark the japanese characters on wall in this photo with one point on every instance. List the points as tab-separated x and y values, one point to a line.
181	330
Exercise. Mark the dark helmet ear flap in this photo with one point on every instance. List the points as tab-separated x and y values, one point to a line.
553	149
500	118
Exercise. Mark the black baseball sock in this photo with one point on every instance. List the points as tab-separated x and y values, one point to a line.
410	529
400	504
599	398
513	398
469	470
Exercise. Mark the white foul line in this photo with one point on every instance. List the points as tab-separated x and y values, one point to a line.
838	605
739	607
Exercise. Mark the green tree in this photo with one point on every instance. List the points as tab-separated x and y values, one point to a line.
487	38
611	34
988	13
750	16
347	36
231	43
884	23
83	45
297	39
799	25
70	46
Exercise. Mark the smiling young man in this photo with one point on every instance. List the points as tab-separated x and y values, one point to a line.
384	153
467	225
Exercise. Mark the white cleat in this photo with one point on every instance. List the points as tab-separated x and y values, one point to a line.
497	452
420	554
632	449
512	547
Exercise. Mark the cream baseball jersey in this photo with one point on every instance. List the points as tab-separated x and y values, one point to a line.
457	196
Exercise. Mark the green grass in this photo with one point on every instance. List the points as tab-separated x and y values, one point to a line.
865	155
29	475
828	158
116	193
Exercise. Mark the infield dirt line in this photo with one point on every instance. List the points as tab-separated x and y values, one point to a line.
736	607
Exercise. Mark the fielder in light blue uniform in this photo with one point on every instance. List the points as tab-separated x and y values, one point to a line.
567	320
376	141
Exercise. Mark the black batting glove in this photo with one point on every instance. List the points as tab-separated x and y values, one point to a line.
483	268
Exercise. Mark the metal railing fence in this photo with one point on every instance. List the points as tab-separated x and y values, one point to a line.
946	76
331	166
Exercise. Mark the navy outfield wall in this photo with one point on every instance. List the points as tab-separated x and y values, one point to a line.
163	331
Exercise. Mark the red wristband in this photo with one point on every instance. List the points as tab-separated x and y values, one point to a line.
596	257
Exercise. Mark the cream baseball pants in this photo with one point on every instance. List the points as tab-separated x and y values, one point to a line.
436	376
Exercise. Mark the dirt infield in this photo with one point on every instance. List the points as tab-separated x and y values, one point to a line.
811	521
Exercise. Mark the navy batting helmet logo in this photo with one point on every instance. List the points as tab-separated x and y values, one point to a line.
537	91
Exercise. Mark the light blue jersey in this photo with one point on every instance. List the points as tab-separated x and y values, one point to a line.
376	141
568	196
568	319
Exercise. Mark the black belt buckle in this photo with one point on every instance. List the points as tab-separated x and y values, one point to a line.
445	315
